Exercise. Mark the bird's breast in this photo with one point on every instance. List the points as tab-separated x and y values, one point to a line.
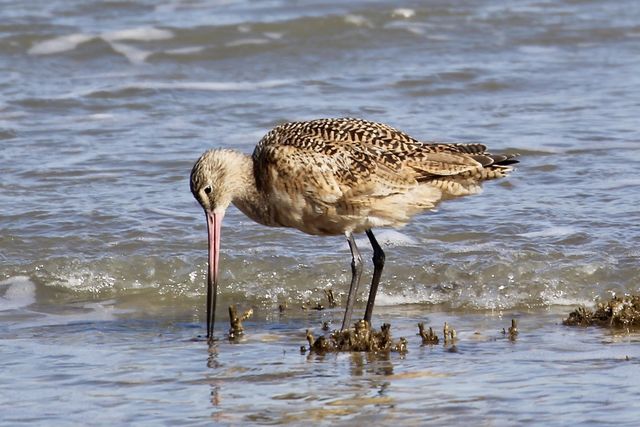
316	218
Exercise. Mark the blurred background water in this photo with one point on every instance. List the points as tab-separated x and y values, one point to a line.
105	105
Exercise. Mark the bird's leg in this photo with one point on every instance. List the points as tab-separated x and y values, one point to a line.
378	265
356	272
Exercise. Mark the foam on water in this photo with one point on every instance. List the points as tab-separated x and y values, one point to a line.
133	54
60	44
358	21
104	311
273	35
385	299
403	13
20	293
388	237
138	34
561	300
102	116
551	232
84	279
72	41
188	50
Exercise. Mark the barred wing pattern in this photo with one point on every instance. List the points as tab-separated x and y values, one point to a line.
329	174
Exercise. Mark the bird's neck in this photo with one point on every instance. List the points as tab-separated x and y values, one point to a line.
248	199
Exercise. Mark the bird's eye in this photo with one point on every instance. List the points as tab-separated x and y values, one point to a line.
207	189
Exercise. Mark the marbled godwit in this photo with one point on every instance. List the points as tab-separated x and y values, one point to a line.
336	176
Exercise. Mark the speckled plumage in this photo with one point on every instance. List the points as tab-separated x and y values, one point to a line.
330	175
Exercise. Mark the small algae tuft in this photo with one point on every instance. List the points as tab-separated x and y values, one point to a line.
616	313
235	321
450	334
512	332
359	338
330	297
429	337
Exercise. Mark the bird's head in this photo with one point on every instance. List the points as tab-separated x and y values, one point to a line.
214	184
213	180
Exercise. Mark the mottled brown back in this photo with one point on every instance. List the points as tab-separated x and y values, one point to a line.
350	164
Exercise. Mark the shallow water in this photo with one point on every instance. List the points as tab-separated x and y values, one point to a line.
119	368
104	106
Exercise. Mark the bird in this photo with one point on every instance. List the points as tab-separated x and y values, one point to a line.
336	176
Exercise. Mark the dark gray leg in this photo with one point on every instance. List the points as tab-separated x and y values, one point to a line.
356	272
378	265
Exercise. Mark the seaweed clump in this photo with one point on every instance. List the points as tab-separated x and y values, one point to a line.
617	313
359	338
428	337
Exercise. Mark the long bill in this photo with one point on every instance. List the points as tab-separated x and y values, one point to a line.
214	222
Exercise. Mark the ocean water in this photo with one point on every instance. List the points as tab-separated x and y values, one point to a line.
104	107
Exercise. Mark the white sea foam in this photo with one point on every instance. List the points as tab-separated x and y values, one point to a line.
555	296
138	34
101	116
133	54
395	238
103	311
388	238
21	292
383	299
538	50
85	279
479	247
550	232
571	302
185	50
358	20
273	35
403	13
60	44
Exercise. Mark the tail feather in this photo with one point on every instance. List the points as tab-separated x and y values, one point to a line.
504	159
486	159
